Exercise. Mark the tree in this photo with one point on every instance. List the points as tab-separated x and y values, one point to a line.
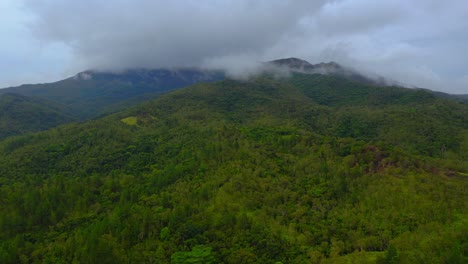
392	256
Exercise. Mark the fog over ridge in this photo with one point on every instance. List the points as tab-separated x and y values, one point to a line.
419	43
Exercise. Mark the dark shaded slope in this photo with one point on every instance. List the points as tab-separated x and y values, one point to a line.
90	94
456	97
243	172
21	114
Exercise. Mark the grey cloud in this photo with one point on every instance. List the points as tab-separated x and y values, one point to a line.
165	33
358	16
418	42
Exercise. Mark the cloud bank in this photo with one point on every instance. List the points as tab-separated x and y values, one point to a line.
420	42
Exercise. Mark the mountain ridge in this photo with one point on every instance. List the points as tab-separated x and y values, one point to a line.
332	68
335	69
91	94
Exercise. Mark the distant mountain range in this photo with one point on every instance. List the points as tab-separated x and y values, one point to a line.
335	69
91	94
330	68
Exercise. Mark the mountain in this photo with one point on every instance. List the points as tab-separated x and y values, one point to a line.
329	68
21	114
90	94
335	69
308	169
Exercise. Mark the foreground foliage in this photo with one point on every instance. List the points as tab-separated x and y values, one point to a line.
312	169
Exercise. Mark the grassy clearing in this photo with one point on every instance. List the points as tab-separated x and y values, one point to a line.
131	120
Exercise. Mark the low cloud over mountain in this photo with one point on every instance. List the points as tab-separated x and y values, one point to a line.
419	43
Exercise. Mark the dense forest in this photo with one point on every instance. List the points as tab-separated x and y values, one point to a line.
307	169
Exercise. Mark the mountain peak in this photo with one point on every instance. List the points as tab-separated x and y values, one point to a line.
292	62
330	64
303	65
327	68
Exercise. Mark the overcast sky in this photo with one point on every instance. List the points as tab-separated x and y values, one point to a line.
418	42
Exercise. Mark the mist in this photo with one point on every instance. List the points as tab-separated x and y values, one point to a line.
398	39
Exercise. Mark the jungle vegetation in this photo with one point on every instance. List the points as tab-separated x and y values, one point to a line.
308	169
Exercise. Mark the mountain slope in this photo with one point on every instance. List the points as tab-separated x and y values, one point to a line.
90	94
259	171
20	114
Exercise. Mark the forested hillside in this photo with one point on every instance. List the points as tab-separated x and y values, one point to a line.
21	114
309	169
93	94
